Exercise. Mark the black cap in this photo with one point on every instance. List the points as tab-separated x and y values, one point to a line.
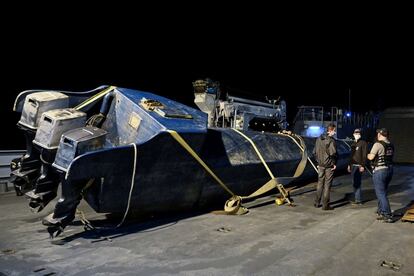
357	130
383	131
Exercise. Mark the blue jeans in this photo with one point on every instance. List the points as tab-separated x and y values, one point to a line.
382	179
356	183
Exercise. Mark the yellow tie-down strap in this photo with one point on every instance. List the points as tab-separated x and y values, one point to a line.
95	97
274	181
233	206
188	148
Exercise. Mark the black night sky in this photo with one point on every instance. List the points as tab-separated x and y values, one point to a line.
297	65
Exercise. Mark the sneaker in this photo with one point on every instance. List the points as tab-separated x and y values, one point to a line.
316	205
327	208
356	203
388	220
49	220
380	217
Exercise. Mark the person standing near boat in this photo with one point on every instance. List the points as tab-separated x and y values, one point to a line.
356	167
381	154
326	156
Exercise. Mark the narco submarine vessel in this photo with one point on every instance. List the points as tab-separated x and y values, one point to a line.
128	151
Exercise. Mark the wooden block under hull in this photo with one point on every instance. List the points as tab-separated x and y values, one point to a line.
409	215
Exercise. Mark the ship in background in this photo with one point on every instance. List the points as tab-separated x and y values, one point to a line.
312	121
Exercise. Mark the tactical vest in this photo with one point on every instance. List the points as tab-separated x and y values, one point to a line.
386	158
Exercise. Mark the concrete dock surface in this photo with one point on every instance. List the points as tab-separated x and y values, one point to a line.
269	240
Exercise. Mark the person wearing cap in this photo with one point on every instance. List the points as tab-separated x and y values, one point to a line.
356	167
326	156
381	155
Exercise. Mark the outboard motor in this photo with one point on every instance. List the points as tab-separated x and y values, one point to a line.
72	144
52	125
26	169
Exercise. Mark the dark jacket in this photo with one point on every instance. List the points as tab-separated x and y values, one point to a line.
325	151
359	151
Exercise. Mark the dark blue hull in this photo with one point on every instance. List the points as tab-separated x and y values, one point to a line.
168	178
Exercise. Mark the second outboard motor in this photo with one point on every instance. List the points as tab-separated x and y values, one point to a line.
53	124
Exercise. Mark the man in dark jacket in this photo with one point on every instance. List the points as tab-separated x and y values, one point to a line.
357	161
325	154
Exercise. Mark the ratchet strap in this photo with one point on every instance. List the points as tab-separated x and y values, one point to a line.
234	206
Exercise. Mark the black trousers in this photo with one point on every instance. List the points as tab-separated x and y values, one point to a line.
323	189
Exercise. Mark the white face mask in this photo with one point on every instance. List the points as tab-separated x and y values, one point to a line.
357	136
332	133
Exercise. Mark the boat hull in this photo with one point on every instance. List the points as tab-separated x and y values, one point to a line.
167	178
